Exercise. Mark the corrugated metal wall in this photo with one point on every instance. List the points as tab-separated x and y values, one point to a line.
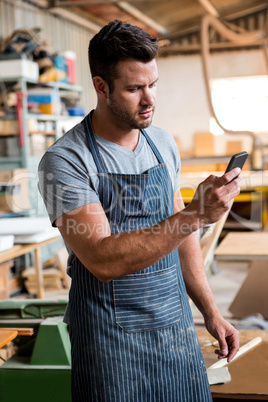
57	32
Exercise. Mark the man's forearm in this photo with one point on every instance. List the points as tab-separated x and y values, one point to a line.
195	277
125	253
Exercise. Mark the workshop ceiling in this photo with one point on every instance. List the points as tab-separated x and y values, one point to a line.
166	19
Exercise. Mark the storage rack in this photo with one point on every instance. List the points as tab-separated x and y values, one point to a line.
23	160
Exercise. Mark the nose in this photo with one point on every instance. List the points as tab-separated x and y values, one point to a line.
148	97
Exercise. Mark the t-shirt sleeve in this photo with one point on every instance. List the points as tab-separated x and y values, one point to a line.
177	165
64	185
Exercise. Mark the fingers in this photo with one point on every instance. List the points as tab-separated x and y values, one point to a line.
229	346
233	345
213	197
226	187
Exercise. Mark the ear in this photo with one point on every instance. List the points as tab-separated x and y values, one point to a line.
101	87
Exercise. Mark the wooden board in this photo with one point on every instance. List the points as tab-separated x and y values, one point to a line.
7	336
249	372
252	296
243	246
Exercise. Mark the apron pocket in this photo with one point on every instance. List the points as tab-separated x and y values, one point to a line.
147	302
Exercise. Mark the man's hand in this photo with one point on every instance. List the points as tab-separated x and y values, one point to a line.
226	335
214	196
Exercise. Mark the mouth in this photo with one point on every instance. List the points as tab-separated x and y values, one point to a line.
146	114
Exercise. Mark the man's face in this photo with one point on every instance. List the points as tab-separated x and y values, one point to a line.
132	101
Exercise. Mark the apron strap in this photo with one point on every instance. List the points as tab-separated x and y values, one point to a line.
153	146
93	144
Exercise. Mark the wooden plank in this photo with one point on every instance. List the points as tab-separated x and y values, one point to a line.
7	336
243	246
245	348
20	331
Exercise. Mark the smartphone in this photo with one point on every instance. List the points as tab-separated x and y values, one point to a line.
237	160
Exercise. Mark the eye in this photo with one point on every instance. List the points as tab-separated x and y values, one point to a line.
152	85
134	89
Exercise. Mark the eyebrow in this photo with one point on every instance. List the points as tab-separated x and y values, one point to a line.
139	85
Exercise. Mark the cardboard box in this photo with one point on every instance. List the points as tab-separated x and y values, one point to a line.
11	127
41	95
203	144
19	68
19	200
233	147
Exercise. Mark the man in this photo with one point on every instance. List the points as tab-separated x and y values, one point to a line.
112	189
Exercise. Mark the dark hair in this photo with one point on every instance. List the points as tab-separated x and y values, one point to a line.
119	41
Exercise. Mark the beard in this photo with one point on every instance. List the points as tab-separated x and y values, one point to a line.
126	119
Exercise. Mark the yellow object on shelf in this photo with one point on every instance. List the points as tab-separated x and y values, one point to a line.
47	108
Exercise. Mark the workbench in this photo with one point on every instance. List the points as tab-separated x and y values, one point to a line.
243	246
22	249
249	372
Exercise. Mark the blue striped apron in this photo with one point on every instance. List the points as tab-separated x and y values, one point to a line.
133	339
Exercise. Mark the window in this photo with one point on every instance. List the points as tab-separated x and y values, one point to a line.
240	104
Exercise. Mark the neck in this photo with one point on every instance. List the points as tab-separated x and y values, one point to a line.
109	130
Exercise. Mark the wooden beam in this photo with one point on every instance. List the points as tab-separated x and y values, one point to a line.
197	47
134	12
206	4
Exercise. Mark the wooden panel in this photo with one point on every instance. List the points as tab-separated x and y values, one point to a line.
243	246
7	336
252	297
233	147
203	144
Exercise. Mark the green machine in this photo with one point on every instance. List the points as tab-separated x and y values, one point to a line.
41	368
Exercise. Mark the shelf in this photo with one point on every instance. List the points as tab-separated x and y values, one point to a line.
50	117
54	130
10	159
53	84
43	132
8	117
37	116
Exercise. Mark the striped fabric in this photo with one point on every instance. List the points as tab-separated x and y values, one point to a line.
138	306
133	339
